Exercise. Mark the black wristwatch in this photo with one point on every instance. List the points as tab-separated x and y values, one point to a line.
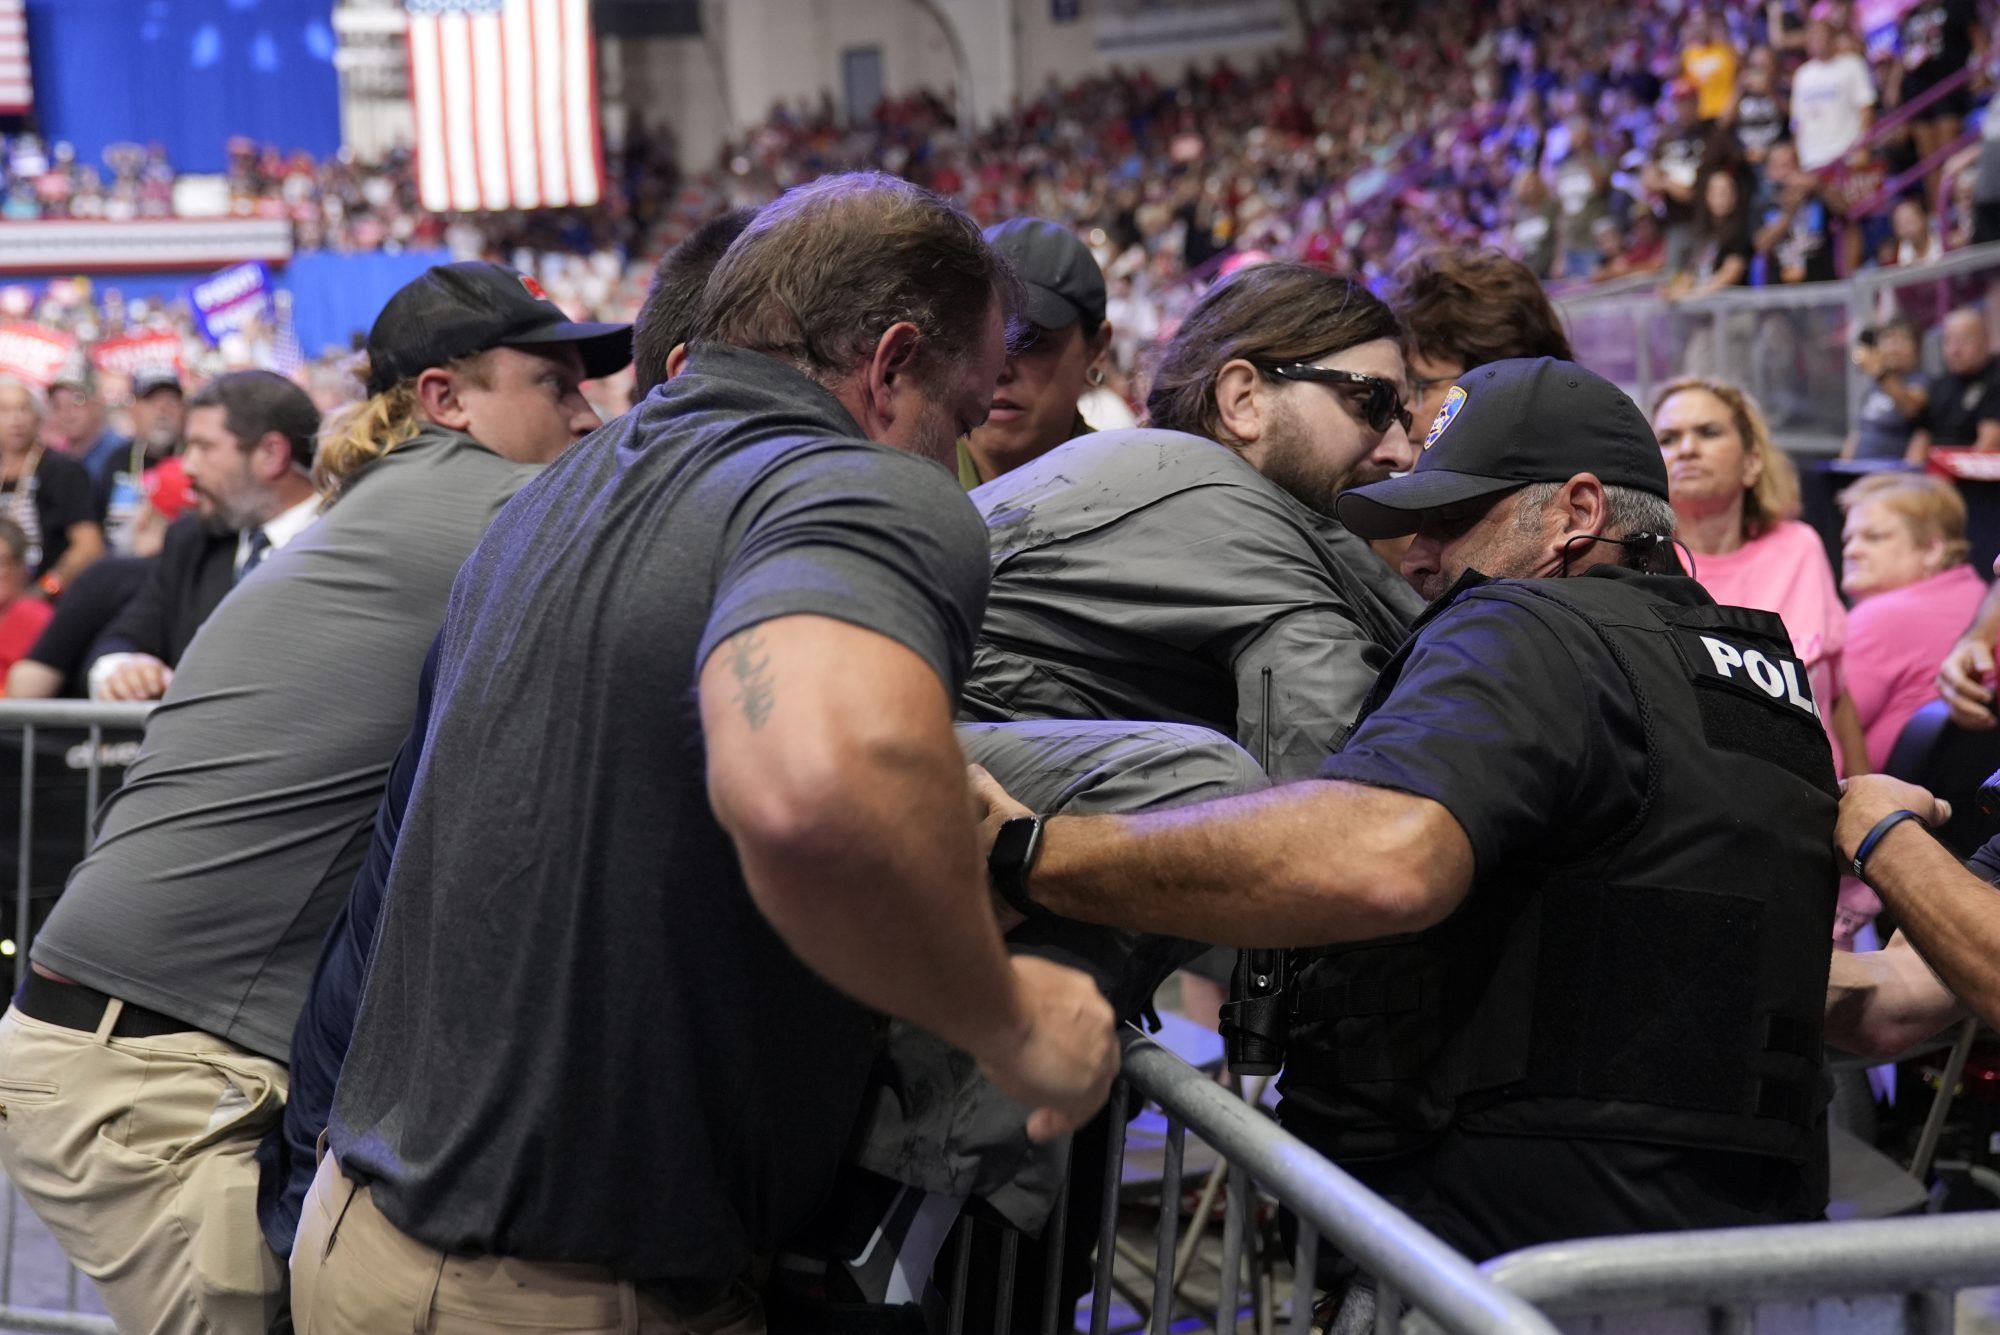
1012	858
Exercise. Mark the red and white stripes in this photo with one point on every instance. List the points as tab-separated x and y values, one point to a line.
504	94
17	81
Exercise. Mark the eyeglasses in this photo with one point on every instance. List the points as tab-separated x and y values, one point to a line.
1383	405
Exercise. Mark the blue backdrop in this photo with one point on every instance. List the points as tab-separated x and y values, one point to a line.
336	296
185	73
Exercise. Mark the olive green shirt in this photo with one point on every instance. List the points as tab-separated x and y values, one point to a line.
968	467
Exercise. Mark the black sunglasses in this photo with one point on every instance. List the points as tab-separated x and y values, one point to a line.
1383	405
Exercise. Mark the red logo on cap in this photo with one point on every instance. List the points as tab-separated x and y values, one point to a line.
534	288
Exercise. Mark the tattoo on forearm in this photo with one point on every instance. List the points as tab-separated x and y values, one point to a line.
756	692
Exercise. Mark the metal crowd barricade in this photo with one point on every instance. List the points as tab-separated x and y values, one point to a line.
1411	1268
1866	1276
1789	345
1873	1277
29	1255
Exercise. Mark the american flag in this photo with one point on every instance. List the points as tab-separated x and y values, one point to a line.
505	98
17	83
287	357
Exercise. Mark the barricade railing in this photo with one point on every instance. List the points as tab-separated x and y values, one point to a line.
1789	345
1411	1267
1856	1278
1881	1275
29	717
1867	1277
23	1244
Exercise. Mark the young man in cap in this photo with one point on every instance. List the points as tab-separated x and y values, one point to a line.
76	412
159	417
153	1026
1557	911
1034	405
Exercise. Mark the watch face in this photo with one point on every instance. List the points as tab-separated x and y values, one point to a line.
1015	842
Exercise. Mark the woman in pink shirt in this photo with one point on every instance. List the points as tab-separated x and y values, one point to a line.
1903	558
1736	496
1903	563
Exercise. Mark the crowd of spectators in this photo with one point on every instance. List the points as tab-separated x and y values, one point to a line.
1711	143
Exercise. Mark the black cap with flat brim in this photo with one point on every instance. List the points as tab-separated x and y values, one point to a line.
1064	284
606	348
1503	426
457	310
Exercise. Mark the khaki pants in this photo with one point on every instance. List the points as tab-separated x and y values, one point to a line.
139	1155
355	1273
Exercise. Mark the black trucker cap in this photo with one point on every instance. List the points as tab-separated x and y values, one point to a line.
456	310
1063	281
1507	424
152	379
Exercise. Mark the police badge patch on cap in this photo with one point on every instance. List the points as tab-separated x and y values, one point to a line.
1453	401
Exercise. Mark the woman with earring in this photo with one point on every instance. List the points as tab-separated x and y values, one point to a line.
1034	405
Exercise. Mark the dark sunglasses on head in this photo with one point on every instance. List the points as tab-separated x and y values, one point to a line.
1383	405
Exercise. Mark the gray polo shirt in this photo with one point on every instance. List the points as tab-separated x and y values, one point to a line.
240	826
1153	575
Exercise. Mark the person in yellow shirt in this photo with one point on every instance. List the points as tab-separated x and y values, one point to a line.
1708	61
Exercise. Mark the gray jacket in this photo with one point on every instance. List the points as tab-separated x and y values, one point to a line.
1137	575
1155	575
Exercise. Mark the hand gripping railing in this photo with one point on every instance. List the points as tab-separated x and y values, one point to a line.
1411	1267
1817	1277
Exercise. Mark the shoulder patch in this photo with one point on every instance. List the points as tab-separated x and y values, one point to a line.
1769	676
1453	401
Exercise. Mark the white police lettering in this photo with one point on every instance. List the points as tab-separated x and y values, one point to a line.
1726	656
1779	680
1792	692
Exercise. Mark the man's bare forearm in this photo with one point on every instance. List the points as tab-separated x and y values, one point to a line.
1306	864
844	792
1880	1002
1950	915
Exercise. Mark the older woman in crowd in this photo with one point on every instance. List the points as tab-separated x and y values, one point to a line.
1903	558
47	493
1737	499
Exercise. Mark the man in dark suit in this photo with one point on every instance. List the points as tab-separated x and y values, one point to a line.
249	463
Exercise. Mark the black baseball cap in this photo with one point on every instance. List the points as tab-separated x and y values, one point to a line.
152	379
1507	424
456	310
1063	281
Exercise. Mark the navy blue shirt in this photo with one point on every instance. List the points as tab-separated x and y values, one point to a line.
1986	862
1531	737
288	1157
579	1040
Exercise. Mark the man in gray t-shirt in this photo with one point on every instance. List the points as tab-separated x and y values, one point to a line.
165	986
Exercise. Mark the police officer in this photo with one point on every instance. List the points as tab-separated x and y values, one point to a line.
1559	906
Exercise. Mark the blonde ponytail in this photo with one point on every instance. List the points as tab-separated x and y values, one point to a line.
357	435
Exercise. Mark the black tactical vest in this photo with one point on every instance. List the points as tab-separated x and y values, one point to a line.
1662	982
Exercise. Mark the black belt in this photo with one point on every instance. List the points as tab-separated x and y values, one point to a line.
74	1006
